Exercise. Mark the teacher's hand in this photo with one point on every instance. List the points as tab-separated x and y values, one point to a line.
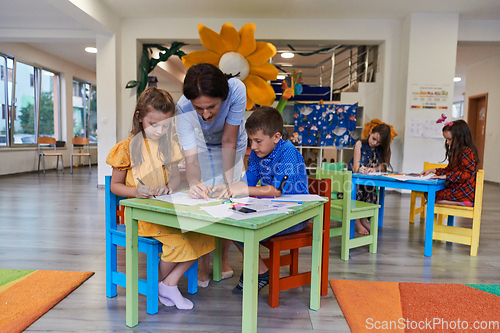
196	191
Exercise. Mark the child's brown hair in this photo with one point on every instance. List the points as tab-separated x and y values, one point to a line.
151	99
385	143
461	137
267	119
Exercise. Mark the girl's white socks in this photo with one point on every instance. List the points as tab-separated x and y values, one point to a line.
172	293
163	300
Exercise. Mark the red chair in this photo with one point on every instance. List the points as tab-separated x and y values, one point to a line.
293	242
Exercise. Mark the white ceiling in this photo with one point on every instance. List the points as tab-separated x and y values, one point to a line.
54	27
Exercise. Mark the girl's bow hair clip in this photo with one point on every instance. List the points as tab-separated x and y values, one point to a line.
449	124
442	119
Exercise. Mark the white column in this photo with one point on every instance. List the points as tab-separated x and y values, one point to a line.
106	73
432	49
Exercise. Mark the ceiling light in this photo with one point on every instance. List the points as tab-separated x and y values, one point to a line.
457	79
91	49
281	77
287	55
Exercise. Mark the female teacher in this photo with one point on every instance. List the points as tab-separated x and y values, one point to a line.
211	131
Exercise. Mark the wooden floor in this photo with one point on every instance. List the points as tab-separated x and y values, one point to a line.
56	222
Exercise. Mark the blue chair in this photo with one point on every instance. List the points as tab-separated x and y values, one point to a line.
115	236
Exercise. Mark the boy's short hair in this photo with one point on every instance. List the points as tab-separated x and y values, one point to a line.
267	119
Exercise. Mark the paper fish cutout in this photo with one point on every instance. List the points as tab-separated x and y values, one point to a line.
305	110
338	131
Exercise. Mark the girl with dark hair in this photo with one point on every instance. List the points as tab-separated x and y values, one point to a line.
211	131
146	164
460	174
371	154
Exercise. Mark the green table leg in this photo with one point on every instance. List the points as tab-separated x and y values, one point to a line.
316	260
217	261
132	270
250	282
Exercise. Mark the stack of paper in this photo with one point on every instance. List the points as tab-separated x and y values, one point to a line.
181	198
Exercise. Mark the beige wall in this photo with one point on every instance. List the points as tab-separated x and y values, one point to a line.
484	77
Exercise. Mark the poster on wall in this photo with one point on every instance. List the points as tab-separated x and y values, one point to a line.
430	96
425	128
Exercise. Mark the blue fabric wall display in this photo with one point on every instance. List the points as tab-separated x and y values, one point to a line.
325	124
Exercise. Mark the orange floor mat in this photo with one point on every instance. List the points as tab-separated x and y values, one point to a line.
25	301
369	305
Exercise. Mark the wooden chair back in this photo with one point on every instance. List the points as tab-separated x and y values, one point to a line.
47	140
80	141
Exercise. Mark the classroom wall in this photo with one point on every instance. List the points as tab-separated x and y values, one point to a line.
484	77
15	160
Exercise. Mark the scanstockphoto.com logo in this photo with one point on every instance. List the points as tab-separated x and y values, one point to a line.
434	324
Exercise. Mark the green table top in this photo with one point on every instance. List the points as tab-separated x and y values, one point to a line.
196	213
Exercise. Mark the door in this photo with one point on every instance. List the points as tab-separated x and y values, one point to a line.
476	118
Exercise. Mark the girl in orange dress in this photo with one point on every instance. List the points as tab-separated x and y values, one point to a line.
145	164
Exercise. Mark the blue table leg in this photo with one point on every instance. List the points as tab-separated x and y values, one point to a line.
381	202
451	220
429	222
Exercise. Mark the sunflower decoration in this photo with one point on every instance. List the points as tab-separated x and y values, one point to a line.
238	52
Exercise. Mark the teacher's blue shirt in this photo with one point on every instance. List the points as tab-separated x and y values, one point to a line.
284	160
193	131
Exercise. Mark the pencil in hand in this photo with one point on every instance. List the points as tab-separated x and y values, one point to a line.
204	194
140	181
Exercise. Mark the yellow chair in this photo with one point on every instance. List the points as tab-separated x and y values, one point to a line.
344	210
417	194
80	143
461	235
50	142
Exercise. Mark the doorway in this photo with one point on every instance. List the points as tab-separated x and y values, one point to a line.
476	118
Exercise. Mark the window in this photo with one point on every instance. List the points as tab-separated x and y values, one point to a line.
24	125
49	105
36	97
85	110
457	111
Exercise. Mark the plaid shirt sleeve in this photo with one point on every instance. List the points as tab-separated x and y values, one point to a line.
461	179
465	170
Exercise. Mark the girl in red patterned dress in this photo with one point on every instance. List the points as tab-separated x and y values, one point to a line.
460	174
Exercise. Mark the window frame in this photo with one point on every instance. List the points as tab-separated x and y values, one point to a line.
37	86
86	105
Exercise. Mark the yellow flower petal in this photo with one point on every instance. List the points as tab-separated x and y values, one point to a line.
247	44
230	37
211	40
250	103
267	71
263	52
259	90
197	57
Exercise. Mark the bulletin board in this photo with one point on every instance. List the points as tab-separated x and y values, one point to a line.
325	125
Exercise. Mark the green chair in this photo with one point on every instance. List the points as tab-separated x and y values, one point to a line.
339	166
345	210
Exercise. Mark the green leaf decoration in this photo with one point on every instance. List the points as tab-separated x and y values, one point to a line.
131	84
148	63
